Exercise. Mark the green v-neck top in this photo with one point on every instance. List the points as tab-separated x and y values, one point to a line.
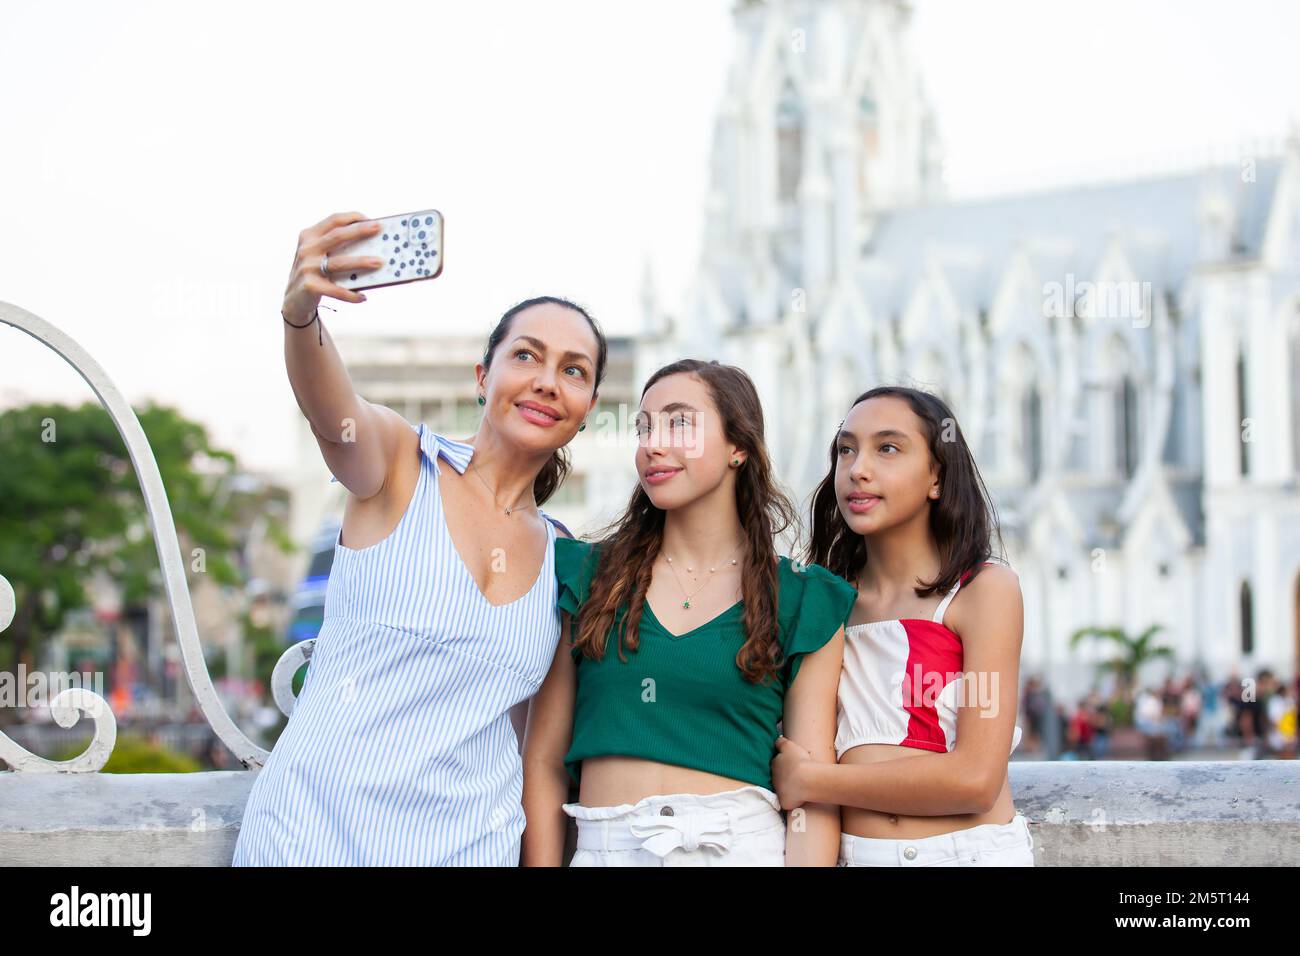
682	700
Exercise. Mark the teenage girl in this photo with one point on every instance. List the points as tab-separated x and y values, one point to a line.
686	643
927	700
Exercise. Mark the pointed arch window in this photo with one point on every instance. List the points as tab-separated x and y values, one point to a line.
789	142
1017	425
1126	427
1031	431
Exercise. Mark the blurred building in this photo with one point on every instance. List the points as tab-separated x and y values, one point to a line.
1124	358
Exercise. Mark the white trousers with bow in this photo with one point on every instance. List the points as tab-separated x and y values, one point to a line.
741	827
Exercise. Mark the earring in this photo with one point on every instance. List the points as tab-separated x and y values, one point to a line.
482	400
582	426
735	463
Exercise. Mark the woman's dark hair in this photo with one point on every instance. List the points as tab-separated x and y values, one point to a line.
631	543
962	520
557	466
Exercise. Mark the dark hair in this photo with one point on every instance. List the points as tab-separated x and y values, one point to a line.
962	520
557	466
631	543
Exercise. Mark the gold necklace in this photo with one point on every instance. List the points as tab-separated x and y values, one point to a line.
687	603
508	511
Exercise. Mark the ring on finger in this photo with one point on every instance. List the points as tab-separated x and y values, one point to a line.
324	265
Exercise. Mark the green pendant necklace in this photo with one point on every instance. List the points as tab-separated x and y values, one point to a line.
687	602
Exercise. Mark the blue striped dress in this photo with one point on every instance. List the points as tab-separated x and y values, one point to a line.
400	750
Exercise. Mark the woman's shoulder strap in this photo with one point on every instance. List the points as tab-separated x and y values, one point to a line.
432	446
435	446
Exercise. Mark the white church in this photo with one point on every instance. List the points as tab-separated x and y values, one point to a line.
1124	358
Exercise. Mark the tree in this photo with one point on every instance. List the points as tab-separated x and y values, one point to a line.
1131	654
70	504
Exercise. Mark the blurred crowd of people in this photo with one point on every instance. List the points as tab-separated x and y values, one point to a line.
1254	717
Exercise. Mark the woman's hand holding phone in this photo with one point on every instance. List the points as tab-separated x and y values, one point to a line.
306	282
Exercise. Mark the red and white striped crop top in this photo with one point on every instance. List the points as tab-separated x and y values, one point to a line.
902	684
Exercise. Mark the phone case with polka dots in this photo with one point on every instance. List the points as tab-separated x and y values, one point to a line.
410	245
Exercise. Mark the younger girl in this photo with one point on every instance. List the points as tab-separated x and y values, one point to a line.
683	636
927	700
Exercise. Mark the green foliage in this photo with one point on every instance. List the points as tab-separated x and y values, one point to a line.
1131	653
266	647
66	476
134	754
1121	711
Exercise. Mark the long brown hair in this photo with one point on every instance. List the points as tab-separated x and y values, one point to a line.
962	520
557	466
631	543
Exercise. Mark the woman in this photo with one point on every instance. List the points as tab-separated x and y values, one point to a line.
927	700
440	612
691	643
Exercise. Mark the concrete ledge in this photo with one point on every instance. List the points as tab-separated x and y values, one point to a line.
1106	813
1161	813
112	819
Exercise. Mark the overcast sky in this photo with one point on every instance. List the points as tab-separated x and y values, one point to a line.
157	160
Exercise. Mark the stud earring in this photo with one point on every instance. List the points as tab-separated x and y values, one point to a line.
735	463
582	426
482	400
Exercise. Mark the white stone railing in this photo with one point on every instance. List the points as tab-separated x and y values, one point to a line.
1103	813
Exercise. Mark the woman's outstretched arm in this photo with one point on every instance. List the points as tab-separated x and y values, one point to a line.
359	441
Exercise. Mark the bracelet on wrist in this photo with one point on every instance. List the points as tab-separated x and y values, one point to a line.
315	317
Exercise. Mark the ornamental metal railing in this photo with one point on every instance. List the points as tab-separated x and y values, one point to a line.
71	704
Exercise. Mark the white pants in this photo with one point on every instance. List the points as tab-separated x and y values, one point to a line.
990	844
736	828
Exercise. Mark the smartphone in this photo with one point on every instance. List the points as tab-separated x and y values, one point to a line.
410	243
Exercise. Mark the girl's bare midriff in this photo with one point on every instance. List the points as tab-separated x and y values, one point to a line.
615	780
897	826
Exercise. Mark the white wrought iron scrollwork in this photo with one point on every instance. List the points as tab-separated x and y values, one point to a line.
285	668
68	703
67	707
